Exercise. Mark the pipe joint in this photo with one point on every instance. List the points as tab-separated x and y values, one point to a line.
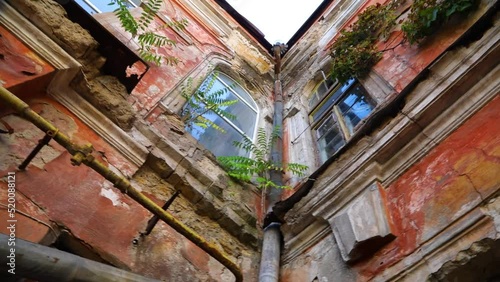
83	154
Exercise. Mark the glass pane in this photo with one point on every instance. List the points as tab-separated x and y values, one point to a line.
245	116
238	89
102	6
330	138
219	143
313	100
322	90
330	100
325	126
355	106
326	105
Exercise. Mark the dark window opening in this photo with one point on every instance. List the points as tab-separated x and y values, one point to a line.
68	243
336	111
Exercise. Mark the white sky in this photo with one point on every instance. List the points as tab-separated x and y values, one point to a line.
277	19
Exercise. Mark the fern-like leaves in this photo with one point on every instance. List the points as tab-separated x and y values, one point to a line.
204	101
139	28
258	167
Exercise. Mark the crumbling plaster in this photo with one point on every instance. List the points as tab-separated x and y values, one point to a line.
466	70
412	150
207	192
50	17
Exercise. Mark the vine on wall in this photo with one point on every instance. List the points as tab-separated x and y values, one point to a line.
355	53
427	15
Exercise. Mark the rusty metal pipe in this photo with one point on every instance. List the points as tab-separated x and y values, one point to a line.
154	220
42	263
82	155
271	242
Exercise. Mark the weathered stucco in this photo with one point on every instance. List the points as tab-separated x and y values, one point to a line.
430	150
51	17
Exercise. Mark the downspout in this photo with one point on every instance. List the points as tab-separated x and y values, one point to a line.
83	155
271	243
34	261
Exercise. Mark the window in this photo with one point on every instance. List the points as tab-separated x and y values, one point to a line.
243	126
102	6
336	110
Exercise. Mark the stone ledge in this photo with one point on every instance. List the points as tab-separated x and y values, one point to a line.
182	170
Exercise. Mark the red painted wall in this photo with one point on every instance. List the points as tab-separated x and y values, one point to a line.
453	178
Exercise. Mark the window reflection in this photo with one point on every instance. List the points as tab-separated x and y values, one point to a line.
336	113
245	110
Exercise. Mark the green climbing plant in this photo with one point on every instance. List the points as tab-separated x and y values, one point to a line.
354	53
139	28
259	165
426	15
203	101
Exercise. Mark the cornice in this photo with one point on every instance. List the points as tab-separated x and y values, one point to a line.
460	83
66	69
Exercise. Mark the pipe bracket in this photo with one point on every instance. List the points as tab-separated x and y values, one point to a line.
41	143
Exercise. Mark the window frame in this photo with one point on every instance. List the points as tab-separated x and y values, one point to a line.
329	107
233	88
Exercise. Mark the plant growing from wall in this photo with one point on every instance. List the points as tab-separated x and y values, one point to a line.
354	52
259	165
204	100
138	27
426	15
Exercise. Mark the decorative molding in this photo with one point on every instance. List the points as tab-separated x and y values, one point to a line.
347	180
364	227
202	11
296	245
422	127
431	256
42	45
66	69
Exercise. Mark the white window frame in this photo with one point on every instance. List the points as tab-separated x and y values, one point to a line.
241	99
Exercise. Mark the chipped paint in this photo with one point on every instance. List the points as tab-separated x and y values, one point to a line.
108	192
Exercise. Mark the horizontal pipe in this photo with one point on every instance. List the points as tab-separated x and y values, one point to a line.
42	263
154	220
81	155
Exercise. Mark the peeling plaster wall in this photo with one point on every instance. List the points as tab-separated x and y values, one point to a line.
51	18
454	179
433	204
440	176
79	200
440	200
199	50
150	147
394	73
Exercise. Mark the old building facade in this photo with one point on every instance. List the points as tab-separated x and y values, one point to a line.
404	162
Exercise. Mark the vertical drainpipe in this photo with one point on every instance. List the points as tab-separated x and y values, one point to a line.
271	243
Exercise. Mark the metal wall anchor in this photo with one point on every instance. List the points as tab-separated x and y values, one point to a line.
42	142
154	220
